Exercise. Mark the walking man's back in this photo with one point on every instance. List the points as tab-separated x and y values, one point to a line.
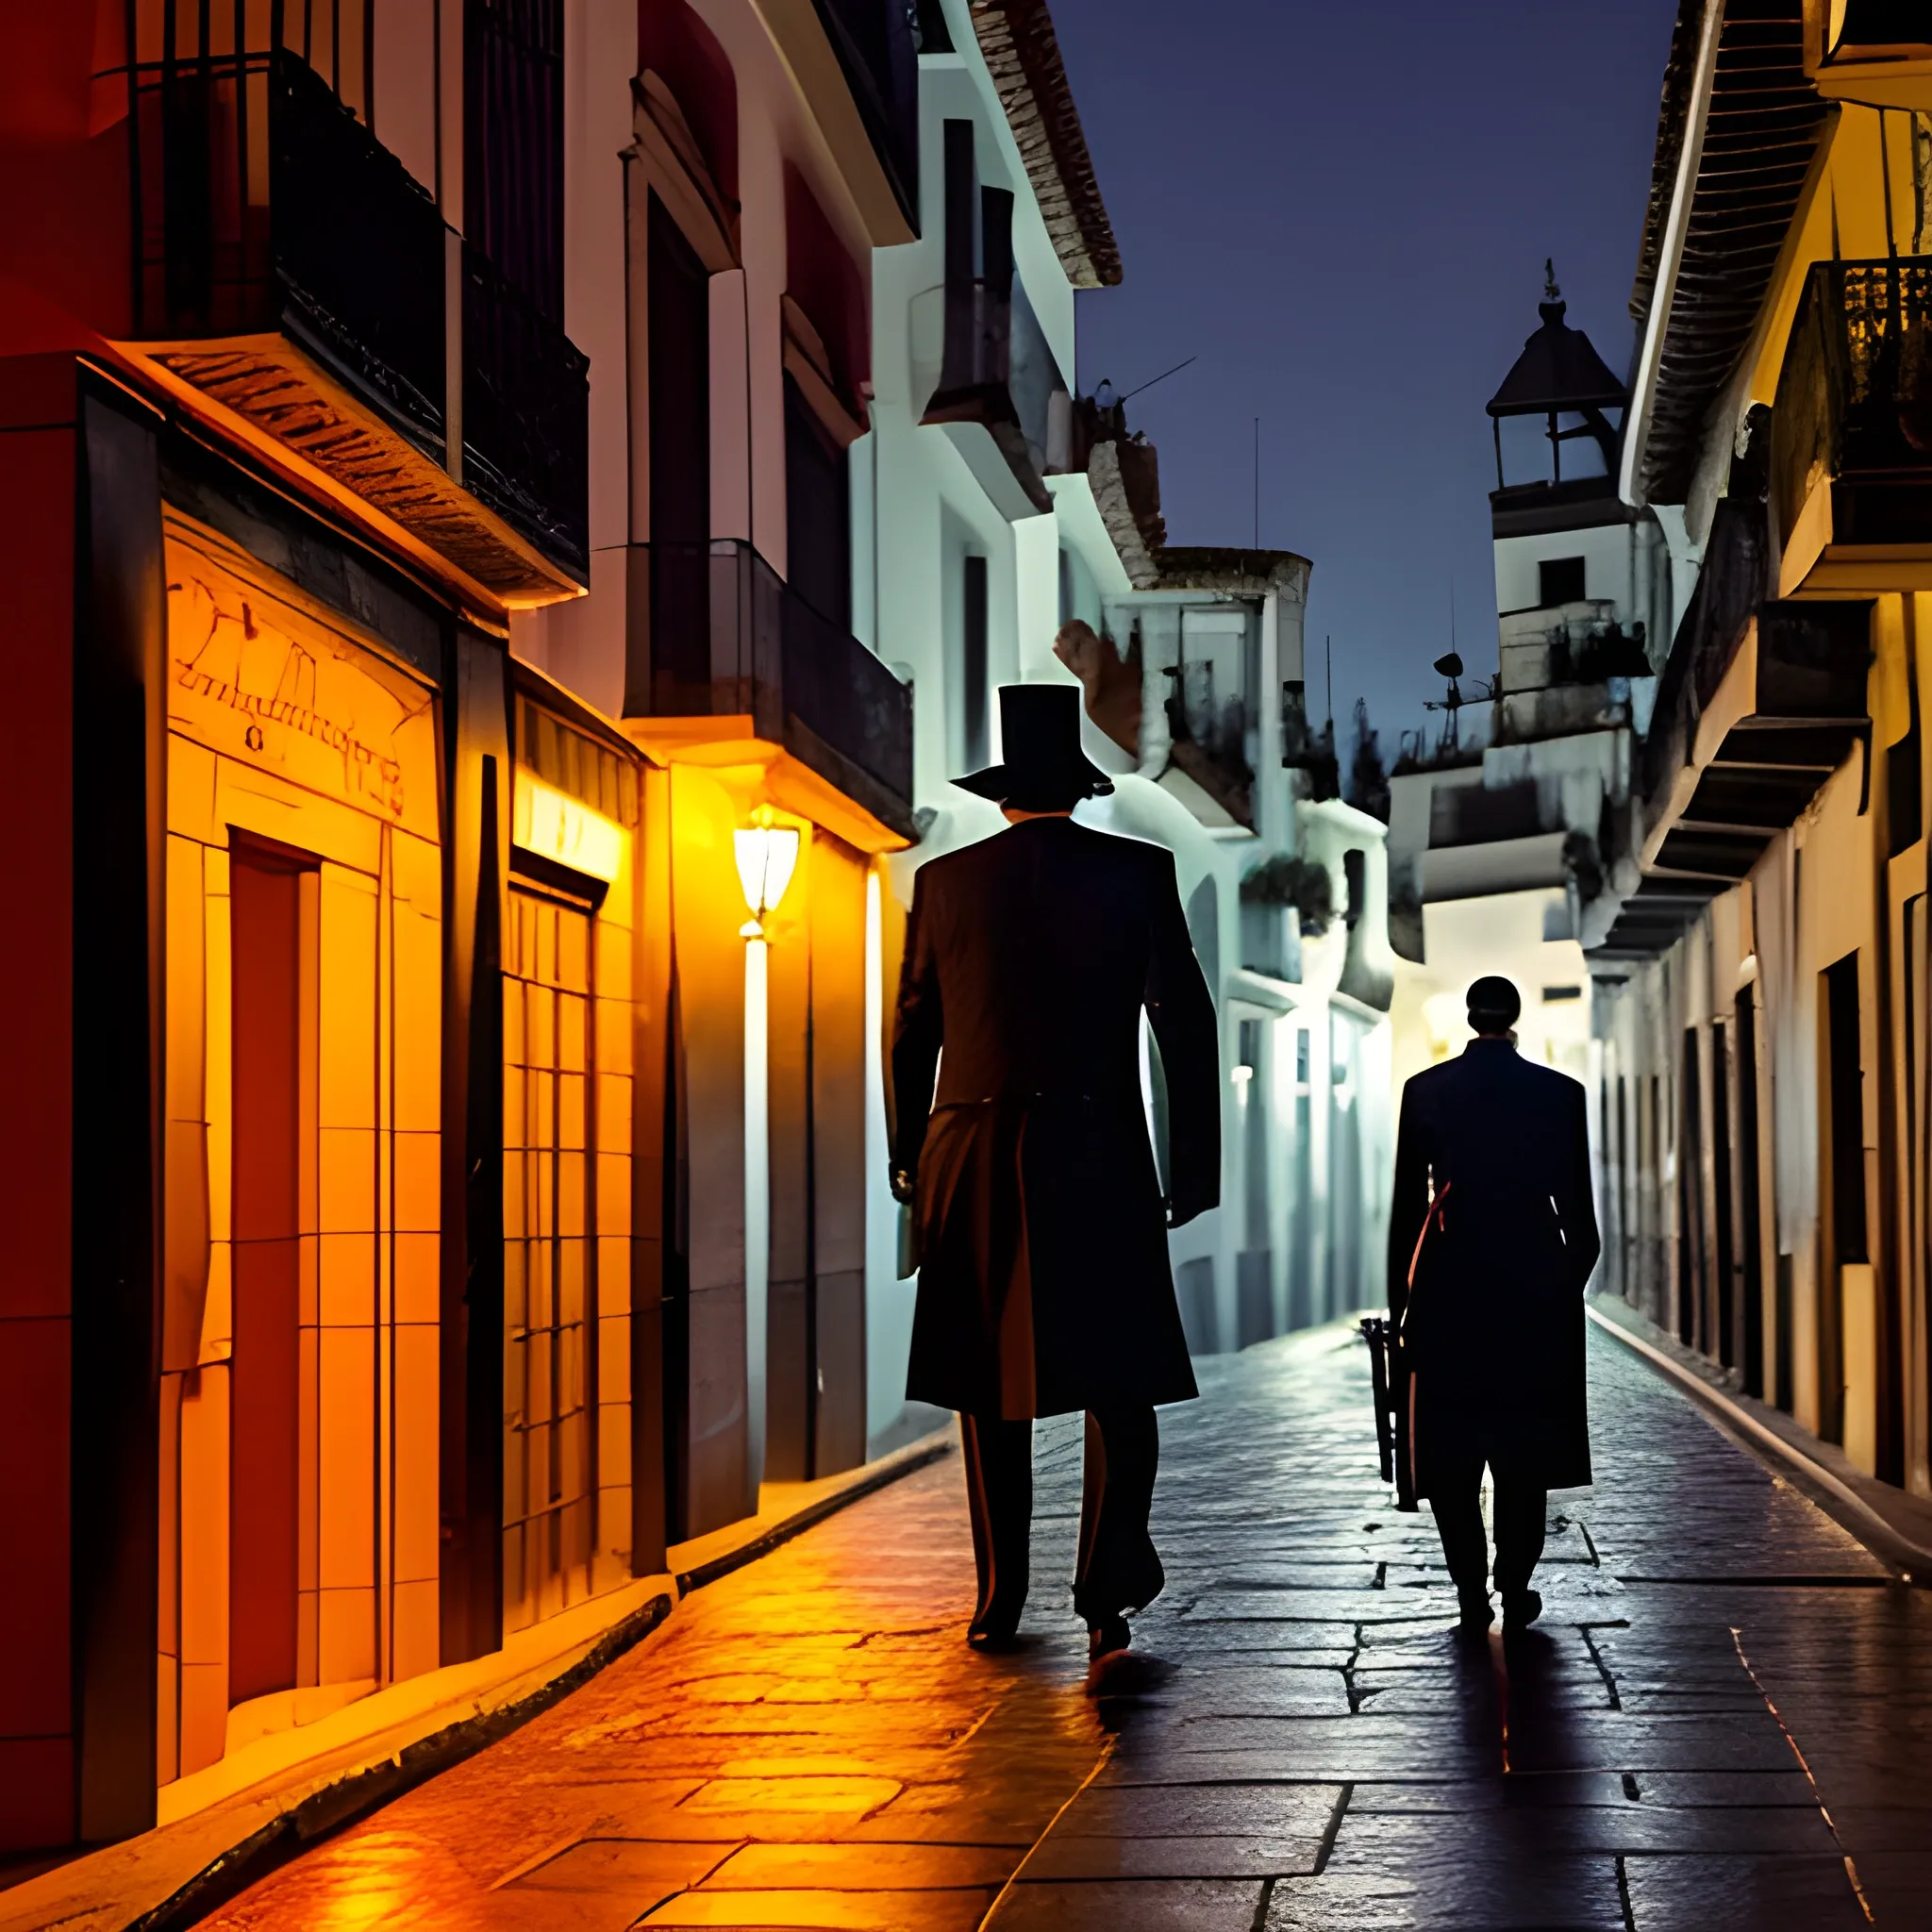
1492	1237
1045	1285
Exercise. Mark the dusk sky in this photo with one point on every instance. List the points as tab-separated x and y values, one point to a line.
1343	211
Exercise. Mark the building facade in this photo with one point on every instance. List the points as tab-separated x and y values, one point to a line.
425	477
1761	992
1004	505
486	484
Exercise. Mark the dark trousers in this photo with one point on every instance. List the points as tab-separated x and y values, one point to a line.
1455	1495
1117	1568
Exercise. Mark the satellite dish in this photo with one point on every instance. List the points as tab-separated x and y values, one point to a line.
1449	665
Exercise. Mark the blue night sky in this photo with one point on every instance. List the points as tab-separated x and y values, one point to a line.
1343	211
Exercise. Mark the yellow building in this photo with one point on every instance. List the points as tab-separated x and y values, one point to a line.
1762	995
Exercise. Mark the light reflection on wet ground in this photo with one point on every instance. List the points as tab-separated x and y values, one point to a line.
809	1743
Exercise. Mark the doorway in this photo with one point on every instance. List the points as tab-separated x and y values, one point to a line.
1750	1234
1724	1343
264	1462
815	1121
1691	1323
549	1257
1846	1166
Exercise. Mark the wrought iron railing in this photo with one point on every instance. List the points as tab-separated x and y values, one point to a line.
846	697
526	415
1854	397
357	248
262	203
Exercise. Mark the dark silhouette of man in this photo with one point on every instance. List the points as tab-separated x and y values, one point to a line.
1043	1283
1491	1238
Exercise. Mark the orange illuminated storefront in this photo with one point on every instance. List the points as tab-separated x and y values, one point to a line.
303	913
569	1103
400	1253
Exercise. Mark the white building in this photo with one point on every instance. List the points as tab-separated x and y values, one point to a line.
1511	857
991	504
1288	903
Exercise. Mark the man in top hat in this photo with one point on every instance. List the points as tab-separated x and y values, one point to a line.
1043	1283
1491	1239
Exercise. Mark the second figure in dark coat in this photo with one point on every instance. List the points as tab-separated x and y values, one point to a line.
1044	1286
1492	1237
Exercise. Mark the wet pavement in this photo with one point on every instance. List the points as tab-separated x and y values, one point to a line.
1723	1720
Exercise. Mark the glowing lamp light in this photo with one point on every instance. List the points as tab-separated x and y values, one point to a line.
767	857
564	828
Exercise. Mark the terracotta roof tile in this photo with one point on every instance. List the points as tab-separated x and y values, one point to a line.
1022	55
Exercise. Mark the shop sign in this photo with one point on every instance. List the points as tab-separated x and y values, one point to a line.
555	826
262	681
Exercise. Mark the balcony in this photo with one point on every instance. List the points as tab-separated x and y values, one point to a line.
981	361
1199	671
297	283
527	417
1754	745
1851	441
723	652
1878	52
1565	669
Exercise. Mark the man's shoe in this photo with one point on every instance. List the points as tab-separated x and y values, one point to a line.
1476	1615
994	1631
1520	1609
1107	1649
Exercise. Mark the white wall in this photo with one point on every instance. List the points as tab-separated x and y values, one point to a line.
918	511
1608	555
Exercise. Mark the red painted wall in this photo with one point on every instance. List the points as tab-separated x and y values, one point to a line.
63	156
37	544
677	46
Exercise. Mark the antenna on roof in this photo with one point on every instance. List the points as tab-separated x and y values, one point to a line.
1152	379
1257	482
1550	291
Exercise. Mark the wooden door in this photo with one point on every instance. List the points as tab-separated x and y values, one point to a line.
264	1456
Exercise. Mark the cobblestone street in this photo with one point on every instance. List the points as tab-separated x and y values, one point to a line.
1722	1719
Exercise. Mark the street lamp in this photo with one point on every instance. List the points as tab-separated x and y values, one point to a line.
767	857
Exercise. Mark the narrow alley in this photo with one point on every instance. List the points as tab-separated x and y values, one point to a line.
757	742
1716	1721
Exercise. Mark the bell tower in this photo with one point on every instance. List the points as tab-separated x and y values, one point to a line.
1578	573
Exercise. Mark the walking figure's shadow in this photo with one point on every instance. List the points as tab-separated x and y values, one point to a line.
1521	1694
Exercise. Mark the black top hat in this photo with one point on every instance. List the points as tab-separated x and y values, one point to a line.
1039	732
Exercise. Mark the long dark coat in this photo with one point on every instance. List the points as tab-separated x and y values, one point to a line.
1044	1282
1494	1324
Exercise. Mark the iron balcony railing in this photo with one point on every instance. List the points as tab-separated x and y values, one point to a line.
996	368
526	415
262	203
715	632
1854	402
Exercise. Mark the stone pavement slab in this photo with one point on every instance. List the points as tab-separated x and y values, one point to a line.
1725	1717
